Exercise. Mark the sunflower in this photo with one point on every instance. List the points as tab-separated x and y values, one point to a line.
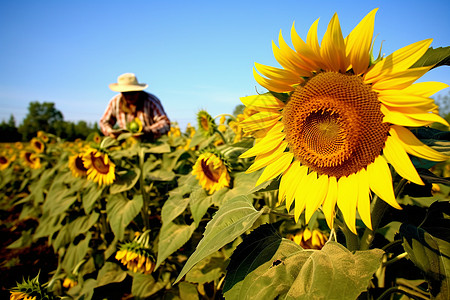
76	165
5	161
30	289
335	118
136	255
37	145
308	239
99	167
206	123
18	145
30	159
97	138
211	171
70	281
43	136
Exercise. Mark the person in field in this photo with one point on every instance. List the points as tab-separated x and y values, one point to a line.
134	105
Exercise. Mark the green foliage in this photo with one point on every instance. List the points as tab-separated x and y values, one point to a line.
434	57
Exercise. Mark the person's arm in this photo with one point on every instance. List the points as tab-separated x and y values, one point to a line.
160	122
108	119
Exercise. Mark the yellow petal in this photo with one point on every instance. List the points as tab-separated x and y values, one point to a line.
398	158
329	203
364	198
398	61
415	113
275	169
311	56
304	185
272	85
395	117
312	40
264	100
292	182
289	59
398	80
268	158
316	195
271	141
260	121
380	181
359	42
414	146
348	199
425	89
332	48
400	98
285	76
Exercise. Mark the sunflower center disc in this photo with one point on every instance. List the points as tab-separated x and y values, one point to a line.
333	124
209	171
79	164
99	165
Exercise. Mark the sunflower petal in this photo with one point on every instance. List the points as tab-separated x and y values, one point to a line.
399	80
397	157
332	49
328	206
395	117
311	55
380	181
296	173
273	170
414	146
282	75
268	158
415	113
364	198
271	141
316	195
359	42
347	200
301	193
272	85
398	61
425	89
264	100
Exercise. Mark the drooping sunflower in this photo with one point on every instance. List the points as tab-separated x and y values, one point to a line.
339	119
30	159
99	167
30	289
70	281
43	136
76	165
206	124
37	145
211	171
137	255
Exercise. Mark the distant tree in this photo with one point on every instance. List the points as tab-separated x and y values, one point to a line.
8	131
444	110
41	116
238	109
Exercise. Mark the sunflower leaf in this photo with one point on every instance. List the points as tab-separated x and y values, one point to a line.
437	57
172	237
229	222
121	212
266	266
430	254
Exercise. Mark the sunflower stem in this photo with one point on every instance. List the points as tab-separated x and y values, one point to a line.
221	136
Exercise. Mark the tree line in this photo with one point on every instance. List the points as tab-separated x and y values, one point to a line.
44	117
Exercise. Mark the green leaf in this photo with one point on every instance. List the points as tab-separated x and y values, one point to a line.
230	221
121	212
144	286
75	253
90	195
208	269
199	204
162	148
125	181
266	266
83	224
171	238
437	57
243	184
161	175
109	273
188	291
431	255
172	208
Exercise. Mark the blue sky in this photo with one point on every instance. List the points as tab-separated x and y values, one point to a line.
193	54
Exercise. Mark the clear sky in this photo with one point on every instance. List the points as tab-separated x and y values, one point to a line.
193	54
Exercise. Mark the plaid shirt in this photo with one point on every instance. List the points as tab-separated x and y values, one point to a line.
150	112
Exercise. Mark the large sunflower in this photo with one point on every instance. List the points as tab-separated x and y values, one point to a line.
339	120
99	167
211	171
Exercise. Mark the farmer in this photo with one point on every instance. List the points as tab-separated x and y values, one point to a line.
131	103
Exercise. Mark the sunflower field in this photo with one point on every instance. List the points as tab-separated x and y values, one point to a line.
332	185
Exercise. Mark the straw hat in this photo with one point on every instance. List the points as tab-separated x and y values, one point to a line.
127	83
